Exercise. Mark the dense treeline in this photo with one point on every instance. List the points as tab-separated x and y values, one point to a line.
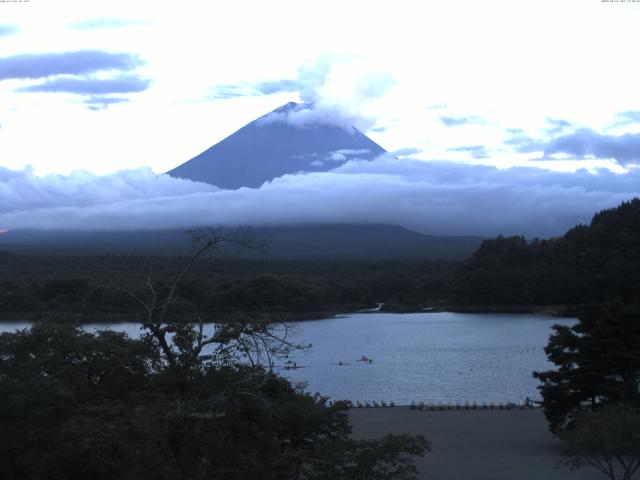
89	287
590	263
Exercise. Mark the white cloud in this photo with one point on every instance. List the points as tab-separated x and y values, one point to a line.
333	92
21	191
432	197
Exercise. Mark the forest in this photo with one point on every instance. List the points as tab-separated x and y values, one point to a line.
87	287
590	263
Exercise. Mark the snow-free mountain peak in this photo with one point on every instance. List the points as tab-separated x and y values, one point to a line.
272	146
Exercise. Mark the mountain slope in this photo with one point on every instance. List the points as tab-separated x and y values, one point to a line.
269	147
300	242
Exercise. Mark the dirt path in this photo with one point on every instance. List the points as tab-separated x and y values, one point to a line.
475	444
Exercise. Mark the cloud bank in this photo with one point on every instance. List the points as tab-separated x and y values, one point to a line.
92	86
41	65
579	143
75	73
440	198
624	149
21	191
316	88
306	115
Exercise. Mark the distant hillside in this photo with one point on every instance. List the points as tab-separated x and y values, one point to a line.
363	242
588	264
357	242
269	147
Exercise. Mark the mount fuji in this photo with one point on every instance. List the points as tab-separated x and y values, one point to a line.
272	146
279	143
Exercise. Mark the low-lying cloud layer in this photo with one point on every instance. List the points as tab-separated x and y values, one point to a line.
21	191
440	198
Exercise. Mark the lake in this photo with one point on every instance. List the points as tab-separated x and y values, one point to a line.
419	357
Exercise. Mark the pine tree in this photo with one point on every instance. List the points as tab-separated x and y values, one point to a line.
598	362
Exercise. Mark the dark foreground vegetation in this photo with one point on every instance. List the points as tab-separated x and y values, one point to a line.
39	287
175	404
75	405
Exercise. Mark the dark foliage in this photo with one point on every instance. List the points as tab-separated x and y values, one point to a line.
72	287
607	440
588	264
75	405
598	363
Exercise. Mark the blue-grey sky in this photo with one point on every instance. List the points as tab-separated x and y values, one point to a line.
504	106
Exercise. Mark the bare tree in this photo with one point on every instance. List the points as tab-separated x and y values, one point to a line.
184	344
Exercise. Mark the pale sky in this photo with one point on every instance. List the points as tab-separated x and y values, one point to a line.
104	86
503	116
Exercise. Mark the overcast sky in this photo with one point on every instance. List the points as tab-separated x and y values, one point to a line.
107	86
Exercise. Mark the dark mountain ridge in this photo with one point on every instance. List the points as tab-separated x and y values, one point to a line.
303	242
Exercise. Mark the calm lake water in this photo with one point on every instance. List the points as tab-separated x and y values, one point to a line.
421	357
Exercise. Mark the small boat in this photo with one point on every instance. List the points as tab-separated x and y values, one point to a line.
290	366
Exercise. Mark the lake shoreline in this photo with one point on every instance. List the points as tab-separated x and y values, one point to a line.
120	318
560	311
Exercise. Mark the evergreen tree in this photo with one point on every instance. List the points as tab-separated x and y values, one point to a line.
598	362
